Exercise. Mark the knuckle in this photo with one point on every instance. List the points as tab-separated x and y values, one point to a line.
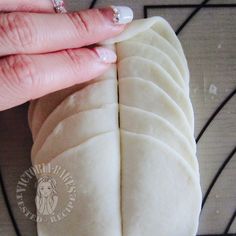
19	71
75	60
81	22
72	56
17	28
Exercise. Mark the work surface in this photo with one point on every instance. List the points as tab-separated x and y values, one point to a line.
209	42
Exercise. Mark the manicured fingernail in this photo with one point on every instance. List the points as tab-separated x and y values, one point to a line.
122	14
106	55
118	14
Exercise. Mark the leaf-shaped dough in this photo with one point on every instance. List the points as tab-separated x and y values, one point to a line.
131	150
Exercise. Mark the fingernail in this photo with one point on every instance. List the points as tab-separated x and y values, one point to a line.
106	55
122	14
118	14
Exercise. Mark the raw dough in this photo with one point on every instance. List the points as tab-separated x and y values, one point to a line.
131	150
85	99
160	193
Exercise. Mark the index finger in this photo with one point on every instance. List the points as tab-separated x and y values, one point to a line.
27	33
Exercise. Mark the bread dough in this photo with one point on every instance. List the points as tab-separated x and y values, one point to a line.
86	99
157	56
155	126
149	97
147	70
76	129
160	193
127	139
95	171
45	105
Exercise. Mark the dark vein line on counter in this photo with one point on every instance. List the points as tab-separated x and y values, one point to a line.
197	9
217	234
145	10
226	161
15	226
92	4
230	222
197	6
190	6
214	114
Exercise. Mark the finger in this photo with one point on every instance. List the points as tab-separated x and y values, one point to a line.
25	33
26	5
26	77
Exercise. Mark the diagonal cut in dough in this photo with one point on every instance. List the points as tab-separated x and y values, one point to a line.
152	38
76	129
153	99
157	56
93	96
153	125
45	105
149	71
138	177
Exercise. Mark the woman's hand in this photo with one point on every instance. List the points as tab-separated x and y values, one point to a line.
42	52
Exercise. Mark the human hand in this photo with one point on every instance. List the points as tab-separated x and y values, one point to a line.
41	52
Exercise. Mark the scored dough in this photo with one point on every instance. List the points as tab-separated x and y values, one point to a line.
150	71
45	105
150	37
153	125
160	193
96	174
128	49
151	98
139	177
92	96
163	28
76	129
157	32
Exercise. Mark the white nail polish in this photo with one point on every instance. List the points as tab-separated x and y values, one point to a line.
106	55
122	14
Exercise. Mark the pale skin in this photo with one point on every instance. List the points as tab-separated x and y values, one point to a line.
42	52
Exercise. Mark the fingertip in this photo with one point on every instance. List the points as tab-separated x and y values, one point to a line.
105	55
118	15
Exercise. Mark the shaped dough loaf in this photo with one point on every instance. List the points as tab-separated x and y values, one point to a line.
138	176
